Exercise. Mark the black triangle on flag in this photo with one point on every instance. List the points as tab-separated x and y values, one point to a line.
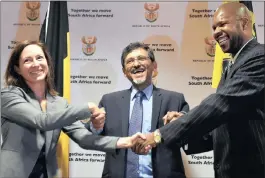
55	35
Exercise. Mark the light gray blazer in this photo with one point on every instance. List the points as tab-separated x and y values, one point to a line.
22	119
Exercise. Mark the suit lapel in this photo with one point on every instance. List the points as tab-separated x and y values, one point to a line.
157	99
48	134
222	80
125	110
34	101
36	104
242	57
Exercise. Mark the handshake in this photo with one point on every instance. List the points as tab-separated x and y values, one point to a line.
139	143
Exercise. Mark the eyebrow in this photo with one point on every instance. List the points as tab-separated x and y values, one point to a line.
35	55
137	56
219	23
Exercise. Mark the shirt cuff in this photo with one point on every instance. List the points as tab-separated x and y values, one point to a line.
183	112
95	131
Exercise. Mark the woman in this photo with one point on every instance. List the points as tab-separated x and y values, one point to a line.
33	116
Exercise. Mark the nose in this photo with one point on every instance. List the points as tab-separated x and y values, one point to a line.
136	62
35	63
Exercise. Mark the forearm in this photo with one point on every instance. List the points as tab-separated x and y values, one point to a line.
198	122
86	140
19	108
47	120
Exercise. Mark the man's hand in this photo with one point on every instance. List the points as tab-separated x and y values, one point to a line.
143	146
97	116
171	116
129	142
92	107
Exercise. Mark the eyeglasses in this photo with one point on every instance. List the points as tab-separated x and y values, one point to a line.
139	59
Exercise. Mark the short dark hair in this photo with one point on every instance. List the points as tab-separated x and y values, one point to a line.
14	79
136	45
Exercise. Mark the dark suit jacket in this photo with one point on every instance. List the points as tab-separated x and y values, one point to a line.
166	162
235	113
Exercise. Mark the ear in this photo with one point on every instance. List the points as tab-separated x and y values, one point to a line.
245	23
17	69
124	71
155	65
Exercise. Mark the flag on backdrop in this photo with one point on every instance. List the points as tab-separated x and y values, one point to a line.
55	34
221	58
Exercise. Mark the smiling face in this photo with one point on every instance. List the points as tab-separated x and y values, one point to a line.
228	31
138	68
33	65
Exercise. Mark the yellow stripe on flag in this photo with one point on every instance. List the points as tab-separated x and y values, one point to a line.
63	143
218	65
66	74
220	56
253	22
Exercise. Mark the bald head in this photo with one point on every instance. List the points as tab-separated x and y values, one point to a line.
235	9
232	25
238	11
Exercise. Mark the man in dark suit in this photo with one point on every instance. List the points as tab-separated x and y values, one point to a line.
122	111
235	113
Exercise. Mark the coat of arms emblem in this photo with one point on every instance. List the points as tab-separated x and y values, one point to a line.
210	46
88	46
151	13
32	10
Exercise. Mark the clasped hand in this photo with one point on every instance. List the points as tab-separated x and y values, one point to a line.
98	116
142	146
139	143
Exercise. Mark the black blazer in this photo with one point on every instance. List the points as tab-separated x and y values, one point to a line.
235	115
166	162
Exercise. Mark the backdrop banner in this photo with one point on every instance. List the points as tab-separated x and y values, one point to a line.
180	34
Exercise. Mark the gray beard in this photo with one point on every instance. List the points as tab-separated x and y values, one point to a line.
138	82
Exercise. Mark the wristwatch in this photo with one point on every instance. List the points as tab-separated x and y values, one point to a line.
157	136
